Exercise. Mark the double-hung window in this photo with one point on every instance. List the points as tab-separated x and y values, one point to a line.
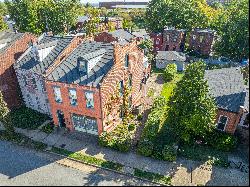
89	99
57	93
72	97
130	80
222	123
126	61
121	88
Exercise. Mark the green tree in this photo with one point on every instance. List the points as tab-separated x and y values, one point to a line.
91	27
147	46
5	116
181	14
234	31
44	15
170	72
193	110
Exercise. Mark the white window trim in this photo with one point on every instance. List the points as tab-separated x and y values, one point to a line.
225	123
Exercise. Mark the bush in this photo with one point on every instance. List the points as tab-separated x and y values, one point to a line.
48	128
221	141
145	148
27	118
169	153
170	72
139	117
131	127
119	139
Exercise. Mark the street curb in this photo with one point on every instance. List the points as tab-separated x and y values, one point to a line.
122	173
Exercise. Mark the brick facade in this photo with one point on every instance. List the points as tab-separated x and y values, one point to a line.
173	40
117	74
102	94
233	120
157	39
33	89
8	80
201	41
68	109
105	37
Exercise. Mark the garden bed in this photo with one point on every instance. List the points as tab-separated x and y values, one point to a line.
27	118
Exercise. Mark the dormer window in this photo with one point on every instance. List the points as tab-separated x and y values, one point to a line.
82	66
126	61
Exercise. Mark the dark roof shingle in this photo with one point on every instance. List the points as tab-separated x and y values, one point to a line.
68	71
8	38
29	61
227	86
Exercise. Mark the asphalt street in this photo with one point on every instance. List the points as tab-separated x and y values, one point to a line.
23	166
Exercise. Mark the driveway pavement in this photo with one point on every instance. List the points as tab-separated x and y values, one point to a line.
20	166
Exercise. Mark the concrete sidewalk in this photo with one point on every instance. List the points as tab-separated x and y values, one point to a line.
179	170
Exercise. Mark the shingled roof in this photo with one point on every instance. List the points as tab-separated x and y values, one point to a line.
122	34
7	39
29	60
68	71
171	56
227	86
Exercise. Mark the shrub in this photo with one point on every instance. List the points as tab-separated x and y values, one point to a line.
169	153
131	127
119	139
48	128
139	117
145	148
170	72
221	141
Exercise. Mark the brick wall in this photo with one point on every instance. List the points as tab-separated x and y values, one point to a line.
201	42
110	83
233	120
8	81
173	40
104	37
157	39
68	109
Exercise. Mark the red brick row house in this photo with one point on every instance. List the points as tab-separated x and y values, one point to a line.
85	90
31	68
231	95
12	46
200	41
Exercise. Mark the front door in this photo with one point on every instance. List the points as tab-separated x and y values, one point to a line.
61	119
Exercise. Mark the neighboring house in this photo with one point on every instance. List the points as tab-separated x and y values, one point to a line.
163	58
121	36
81	21
227	86
12	46
86	89
173	40
141	35
201	41
169	40
157	39
33	65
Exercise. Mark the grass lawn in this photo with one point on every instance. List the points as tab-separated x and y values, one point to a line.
88	159
27	118
168	87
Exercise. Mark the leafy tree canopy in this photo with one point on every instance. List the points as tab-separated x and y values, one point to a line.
193	110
